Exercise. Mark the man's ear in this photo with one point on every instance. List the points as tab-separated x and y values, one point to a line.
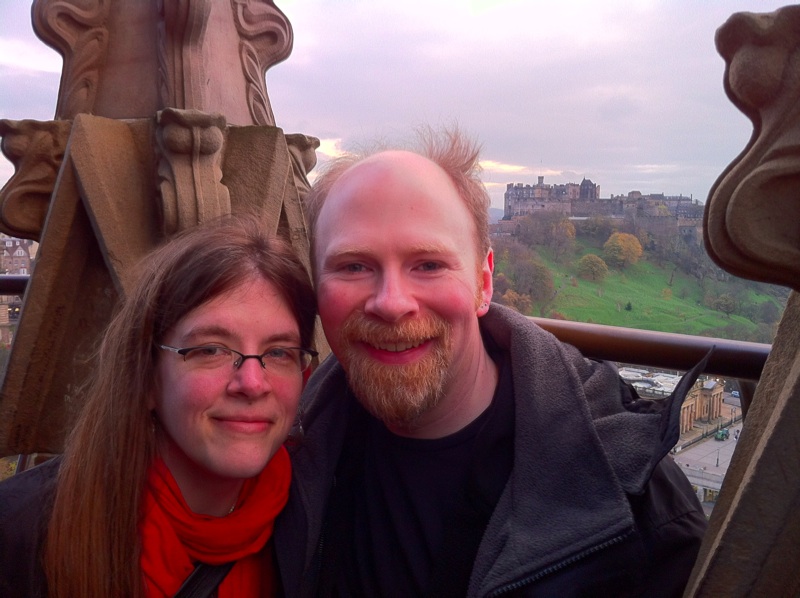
487	287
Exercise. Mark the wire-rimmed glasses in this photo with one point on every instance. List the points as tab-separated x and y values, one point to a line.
282	361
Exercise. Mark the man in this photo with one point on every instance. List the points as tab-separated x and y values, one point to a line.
453	448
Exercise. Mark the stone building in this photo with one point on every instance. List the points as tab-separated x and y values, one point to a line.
703	403
521	200
588	190
16	258
689	412
17	255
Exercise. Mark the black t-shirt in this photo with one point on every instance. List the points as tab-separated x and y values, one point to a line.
407	515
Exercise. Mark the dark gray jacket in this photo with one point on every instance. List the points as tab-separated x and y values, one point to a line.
592	506
25	506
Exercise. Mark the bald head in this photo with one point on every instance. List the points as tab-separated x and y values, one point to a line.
448	153
387	190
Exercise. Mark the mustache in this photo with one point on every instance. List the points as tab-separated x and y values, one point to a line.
360	327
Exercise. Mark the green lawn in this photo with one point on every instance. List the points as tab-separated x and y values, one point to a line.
654	303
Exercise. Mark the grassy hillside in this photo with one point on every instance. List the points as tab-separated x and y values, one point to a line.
652	297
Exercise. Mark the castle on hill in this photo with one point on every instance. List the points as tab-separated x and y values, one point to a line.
583	201
657	213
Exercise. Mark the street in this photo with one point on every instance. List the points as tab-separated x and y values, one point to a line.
709	455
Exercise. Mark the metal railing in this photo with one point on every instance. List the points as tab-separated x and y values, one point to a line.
13	284
732	359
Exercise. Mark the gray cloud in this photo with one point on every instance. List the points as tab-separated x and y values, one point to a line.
628	94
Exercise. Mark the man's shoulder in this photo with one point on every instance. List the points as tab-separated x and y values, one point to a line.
521	338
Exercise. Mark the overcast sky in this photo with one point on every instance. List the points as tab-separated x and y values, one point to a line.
627	93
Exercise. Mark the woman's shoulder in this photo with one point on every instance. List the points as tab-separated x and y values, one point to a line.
25	501
19	491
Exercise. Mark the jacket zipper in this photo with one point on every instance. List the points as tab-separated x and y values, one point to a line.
558	566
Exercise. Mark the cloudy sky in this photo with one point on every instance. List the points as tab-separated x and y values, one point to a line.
627	93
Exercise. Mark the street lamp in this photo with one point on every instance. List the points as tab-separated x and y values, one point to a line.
717	457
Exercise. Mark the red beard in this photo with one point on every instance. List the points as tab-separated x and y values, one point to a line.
396	394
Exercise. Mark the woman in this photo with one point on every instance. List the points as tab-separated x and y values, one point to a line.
177	456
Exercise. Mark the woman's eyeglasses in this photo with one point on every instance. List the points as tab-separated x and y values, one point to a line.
282	361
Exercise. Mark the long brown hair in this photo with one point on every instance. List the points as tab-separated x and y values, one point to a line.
92	546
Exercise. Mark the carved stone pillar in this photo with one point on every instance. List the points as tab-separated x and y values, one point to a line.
163	121
752	229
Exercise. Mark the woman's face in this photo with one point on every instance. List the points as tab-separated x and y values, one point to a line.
221	423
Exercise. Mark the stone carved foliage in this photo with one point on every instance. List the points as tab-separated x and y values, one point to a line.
266	39
752	221
77	30
36	149
181	31
189	171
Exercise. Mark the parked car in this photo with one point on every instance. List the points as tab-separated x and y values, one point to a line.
722	434
735	394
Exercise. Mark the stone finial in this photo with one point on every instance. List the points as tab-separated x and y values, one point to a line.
132	58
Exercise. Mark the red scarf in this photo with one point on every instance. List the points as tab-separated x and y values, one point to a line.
173	537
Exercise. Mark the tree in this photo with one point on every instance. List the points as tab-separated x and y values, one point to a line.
598	227
592	267
726	304
767	312
534	279
622	249
516	301
646	239
529	231
562	237
510	251
537	228
500	285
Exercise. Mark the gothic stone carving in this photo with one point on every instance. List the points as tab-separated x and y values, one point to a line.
752	221
181	32
79	32
36	149
266	39
752	229
189	170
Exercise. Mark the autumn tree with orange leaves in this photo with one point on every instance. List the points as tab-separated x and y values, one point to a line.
622	249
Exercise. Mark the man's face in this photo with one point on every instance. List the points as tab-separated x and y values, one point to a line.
400	286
